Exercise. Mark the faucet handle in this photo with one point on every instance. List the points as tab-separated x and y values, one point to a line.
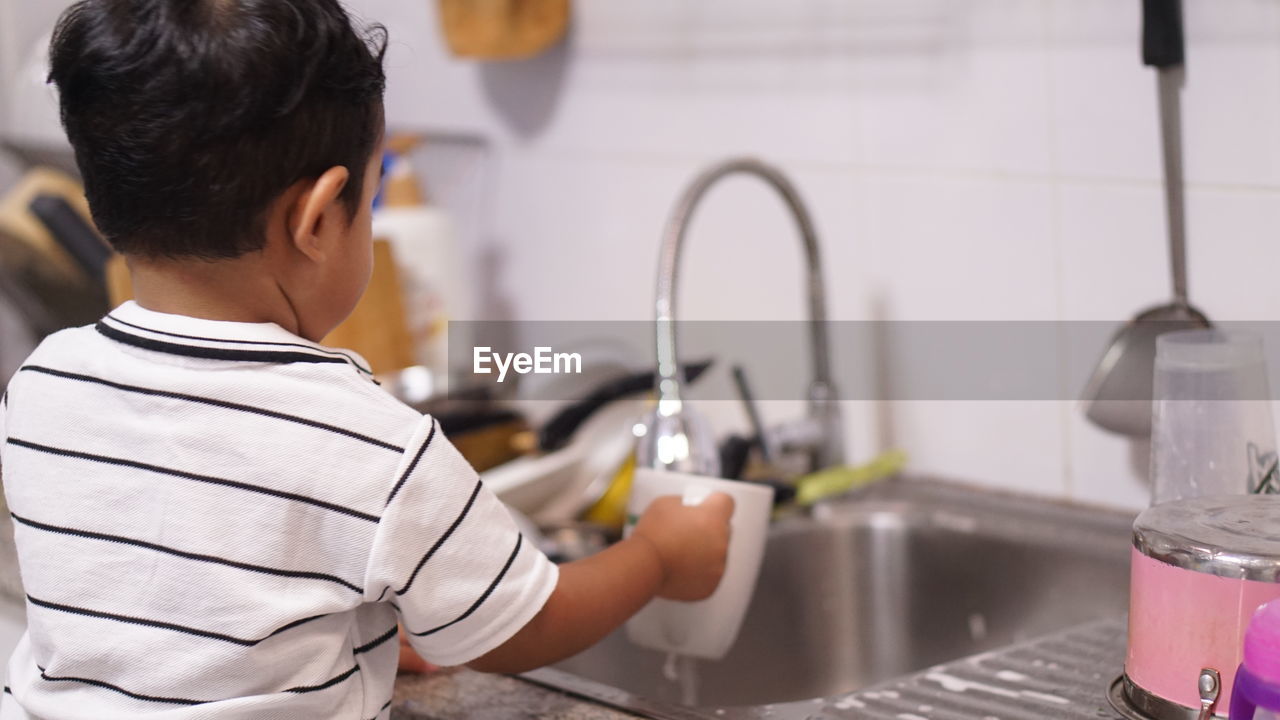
818	436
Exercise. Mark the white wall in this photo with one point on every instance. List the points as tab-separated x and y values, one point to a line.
964	159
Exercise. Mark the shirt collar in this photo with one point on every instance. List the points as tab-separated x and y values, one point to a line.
135	325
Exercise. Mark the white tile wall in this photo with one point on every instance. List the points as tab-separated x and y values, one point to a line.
1015	445
963	159
963	248
1103	99
1233	241
1113	253
1231	106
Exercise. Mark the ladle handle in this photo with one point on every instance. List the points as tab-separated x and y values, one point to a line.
1163	48
1162	43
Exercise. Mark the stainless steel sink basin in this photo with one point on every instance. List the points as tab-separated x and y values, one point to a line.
903	576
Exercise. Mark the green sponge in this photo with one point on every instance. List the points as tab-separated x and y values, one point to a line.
842	478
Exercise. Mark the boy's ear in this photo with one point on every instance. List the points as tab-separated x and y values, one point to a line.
314	209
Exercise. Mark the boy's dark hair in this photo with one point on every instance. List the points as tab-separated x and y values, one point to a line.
188	117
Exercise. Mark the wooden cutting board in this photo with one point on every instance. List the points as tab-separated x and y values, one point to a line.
376	328
502	29
17	219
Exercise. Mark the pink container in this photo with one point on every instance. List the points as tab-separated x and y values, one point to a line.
1200	567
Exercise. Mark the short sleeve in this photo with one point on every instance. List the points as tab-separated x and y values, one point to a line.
4	438
450	558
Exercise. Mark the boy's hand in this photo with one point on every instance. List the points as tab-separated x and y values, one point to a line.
410	662
692	542
675	551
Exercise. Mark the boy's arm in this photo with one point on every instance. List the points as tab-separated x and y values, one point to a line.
447	556
466	584
592	597
676	552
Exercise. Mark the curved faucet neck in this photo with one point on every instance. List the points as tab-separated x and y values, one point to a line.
821	389
673	239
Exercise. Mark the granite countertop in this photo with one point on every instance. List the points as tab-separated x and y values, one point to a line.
1065	676
461	694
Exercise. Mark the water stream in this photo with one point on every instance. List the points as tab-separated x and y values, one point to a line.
682	671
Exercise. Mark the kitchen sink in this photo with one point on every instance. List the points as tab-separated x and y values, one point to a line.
894	579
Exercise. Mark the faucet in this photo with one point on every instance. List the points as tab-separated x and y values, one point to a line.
673	436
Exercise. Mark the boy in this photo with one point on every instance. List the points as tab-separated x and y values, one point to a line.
217	517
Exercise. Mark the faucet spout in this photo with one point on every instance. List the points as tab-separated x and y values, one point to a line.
822	407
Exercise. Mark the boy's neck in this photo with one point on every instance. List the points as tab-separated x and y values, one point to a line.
235	290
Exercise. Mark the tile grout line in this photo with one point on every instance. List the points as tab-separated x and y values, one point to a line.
1065	408
873	171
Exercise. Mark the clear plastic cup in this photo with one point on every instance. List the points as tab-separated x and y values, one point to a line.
1212	431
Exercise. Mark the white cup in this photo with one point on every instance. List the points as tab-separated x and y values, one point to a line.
706	628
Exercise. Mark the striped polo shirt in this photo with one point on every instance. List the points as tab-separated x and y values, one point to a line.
225	520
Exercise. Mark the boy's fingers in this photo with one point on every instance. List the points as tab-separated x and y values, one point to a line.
720	502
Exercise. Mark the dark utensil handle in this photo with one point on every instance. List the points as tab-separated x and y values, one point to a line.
557	432
753	412
1164	48
734	452
1162	41
75	235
